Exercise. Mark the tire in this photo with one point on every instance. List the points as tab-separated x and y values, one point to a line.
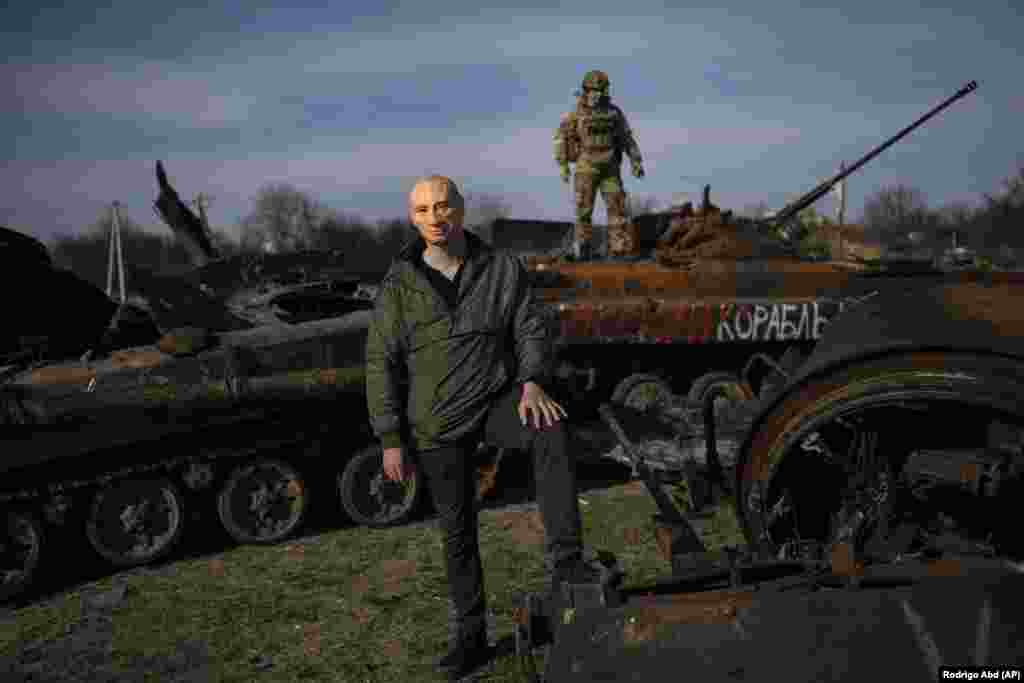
371	500
150	511
736	393
702	384
897	380
257	489
19	565
643	391
790	361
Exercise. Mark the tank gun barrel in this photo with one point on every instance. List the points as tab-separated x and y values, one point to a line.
185	225
792	209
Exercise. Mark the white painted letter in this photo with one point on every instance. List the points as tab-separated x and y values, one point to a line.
740	312
803	328
820	320
788	327
760	318
773	323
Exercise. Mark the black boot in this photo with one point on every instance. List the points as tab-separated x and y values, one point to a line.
468	652
578	252
571	570
575	569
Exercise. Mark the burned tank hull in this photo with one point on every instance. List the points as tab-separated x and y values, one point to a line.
886	630
214	389
51	313
246	425
877	487
936	375
627	329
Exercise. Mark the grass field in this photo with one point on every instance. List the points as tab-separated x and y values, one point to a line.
352	604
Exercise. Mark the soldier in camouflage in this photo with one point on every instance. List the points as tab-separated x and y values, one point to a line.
594	138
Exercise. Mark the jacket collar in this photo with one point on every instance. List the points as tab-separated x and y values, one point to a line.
478	254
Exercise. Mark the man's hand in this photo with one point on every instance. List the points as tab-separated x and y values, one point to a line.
534	401
638	170
396	466
564	168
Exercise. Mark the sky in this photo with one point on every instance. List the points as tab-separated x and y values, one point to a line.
761	100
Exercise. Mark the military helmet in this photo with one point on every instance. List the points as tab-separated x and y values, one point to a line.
596	80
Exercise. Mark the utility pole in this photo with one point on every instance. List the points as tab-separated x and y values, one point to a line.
840	190
115	252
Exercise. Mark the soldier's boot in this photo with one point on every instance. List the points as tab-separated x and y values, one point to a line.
582	242
623	242
582	250
568	575
574	570
468	650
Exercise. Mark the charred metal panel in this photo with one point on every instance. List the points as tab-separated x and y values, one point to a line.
529	237
654	321
803	636
722	278
726	303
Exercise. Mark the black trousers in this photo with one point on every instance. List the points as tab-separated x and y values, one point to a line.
451	478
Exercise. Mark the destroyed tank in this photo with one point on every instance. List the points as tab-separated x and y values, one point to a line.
110	444
712	301
63	317
243	399
876	486
874	470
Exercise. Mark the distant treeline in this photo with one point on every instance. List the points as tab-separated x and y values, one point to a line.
284	218
367	248
996	222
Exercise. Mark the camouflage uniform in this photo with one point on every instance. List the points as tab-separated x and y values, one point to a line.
594	137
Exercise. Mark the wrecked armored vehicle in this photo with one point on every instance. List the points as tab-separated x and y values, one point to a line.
245	393
876	486
51	313
873	460
716	300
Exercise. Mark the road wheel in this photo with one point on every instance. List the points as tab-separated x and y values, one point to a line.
773	382
263	501
135	521
371	499
21	541
734	389
643	392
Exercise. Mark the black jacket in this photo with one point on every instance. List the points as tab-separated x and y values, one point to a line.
431	371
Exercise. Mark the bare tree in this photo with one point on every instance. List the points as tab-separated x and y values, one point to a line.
999	222
895	209
955	215
283	217
86	254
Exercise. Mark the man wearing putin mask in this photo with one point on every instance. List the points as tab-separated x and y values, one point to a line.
457	352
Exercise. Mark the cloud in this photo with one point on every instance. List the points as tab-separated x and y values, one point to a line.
150	90
757	100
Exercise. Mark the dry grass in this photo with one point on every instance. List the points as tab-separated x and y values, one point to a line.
353	604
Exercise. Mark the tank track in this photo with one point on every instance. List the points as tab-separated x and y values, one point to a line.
273	461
